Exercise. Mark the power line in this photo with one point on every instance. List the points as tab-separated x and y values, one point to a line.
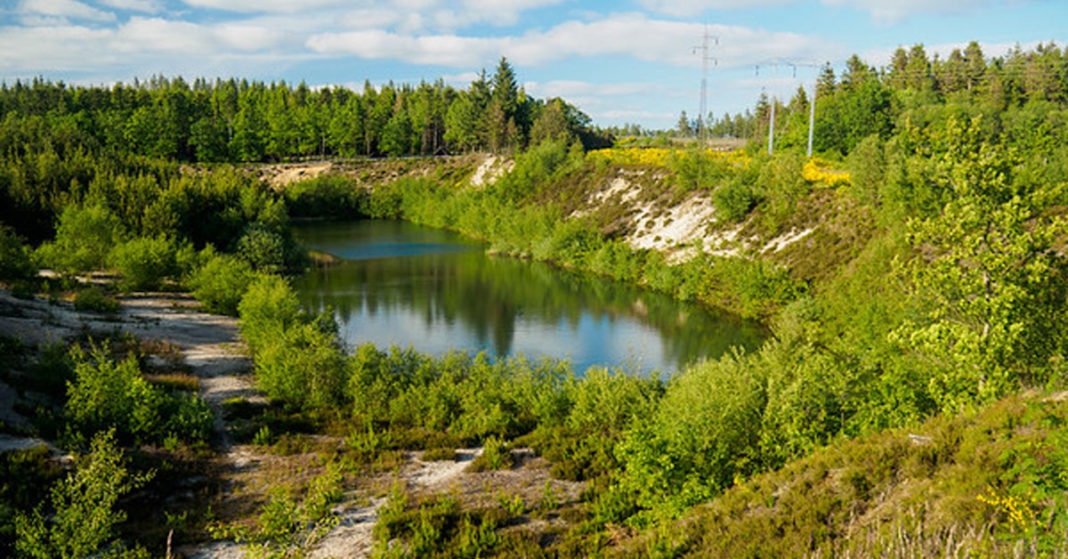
812	103
702	129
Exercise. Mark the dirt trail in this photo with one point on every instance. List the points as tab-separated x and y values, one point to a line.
210	346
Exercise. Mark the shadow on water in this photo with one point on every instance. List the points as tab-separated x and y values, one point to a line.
436	291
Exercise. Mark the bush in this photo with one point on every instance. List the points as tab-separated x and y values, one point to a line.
298	361
106	394
145	261
538	166
15	260
22	475
495	456
305	367
221	282
706	431
696	169
734	200
269	250
325	196
93	299
268	309
84	505
84	239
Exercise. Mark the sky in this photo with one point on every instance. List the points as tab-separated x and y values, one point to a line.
623	61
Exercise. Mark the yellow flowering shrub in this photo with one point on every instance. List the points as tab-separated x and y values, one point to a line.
1018	511
660	157
818	170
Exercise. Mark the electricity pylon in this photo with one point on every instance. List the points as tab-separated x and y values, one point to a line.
702	128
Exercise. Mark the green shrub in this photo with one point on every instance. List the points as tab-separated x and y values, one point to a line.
298	361
268	309
145	262
706	431
84	239
22	475
438	454
93	299
106	394
84	509
538	167
305	367
603	406
755	288
695	169
286	526
269	250
781	185
16	262
332	196
495	456
221	282
734	200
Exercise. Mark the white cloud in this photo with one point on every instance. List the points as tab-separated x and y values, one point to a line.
247	37
370	18
661	41
266	6
689	8
632	115
569	89
65	9
461	79
884	11
161	35
153	42
444	50
145	6
55	48
775	83
400	15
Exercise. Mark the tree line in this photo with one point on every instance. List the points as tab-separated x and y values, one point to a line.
237	120
864	100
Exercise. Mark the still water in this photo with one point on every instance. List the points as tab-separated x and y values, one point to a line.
402	284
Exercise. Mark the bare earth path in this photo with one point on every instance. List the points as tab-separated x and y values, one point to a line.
212	349
209	345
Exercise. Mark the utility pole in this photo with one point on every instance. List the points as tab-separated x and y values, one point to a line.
771	128
811	105
812	115
702	131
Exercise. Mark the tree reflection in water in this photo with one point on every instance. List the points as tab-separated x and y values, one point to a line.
408	285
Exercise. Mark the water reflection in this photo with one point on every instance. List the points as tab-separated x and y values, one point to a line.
408	285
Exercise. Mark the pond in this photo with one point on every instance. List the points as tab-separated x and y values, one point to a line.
406	285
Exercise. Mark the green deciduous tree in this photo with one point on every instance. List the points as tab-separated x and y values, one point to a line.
83	524
986	267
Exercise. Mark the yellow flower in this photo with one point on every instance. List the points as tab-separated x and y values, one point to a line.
818	170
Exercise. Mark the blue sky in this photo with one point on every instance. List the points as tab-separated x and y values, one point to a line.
623	61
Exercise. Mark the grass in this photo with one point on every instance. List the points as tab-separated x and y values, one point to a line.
439	454
175	381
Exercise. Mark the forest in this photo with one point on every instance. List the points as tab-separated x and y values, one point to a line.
909	399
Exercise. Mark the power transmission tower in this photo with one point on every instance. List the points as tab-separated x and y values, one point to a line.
702	128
